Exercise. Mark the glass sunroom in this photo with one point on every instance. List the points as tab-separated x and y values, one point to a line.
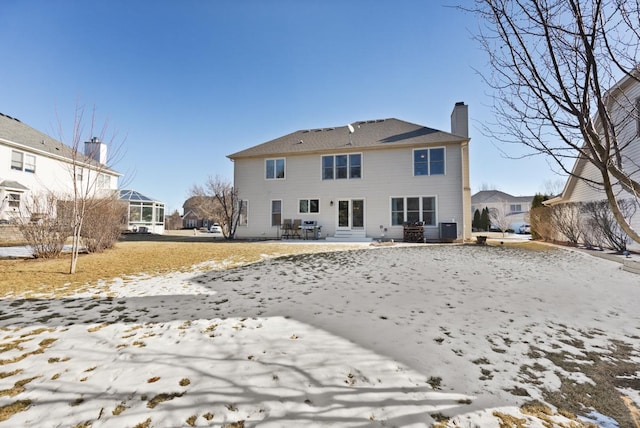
145	215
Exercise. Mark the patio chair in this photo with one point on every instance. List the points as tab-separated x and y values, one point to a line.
286	228
295	228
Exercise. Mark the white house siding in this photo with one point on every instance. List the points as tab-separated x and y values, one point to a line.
621	109
52	174
385	174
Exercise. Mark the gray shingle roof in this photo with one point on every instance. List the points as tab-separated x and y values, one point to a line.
12	185
488	196
370	134
14	131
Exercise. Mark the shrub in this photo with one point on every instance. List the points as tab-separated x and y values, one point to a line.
599	216
103	222
42	228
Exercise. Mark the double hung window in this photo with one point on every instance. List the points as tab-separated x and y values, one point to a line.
23	161
276	213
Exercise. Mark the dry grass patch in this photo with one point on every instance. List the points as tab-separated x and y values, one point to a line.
32	277
11	409
161	398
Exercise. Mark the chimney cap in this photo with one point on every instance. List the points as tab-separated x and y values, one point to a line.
460	103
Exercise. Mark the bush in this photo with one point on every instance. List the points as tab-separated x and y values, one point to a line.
541	224
104	220
42	228
599	217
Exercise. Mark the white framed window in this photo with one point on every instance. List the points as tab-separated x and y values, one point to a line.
159	219
23	161
412	209
515	208
103	181
275	169
13	200
429	161
17	160
276	212
243	218
340	167
309	206
29	163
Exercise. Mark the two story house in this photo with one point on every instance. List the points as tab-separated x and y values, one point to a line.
33	164
514	208
362	181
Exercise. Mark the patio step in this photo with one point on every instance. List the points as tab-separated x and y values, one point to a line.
349	236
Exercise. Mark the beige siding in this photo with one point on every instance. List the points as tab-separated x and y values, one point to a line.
627	128
385	174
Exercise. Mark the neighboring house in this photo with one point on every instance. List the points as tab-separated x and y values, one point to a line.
515	208
360	181
34	164
623	101
144	214
197	212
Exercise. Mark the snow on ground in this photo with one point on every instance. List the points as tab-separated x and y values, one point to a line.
394	336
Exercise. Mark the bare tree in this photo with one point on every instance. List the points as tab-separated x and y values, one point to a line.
229	208
90	183
554	67
499	218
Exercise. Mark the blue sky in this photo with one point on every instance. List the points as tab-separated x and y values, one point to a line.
182	84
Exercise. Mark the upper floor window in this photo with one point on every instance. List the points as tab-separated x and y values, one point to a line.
104	181
428	161
275	169
515	208
29	163
17	160
309	206
413	209
342	166
23	161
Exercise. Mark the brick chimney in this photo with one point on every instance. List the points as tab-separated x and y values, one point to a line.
96	150
460	119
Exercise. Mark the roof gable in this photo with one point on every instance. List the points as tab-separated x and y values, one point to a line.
496	196
370	134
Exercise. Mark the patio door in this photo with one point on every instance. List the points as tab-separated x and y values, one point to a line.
351	214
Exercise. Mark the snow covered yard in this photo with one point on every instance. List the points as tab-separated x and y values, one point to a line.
418	336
